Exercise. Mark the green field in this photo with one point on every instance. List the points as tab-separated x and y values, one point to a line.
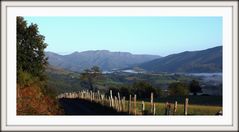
160	109
192	109
196	100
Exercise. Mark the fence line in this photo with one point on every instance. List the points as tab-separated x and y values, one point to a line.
119	103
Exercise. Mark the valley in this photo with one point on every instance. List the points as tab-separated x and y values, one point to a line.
114	67
66	81
169	78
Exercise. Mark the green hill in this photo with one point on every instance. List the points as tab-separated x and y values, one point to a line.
209	60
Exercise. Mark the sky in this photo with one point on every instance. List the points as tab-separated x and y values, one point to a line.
155	35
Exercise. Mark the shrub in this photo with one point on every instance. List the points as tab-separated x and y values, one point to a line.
25	78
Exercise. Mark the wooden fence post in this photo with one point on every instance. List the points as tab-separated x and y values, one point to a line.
116	103
112	100
123	104
119	101
102	99
154	109
91	96
98	96
175	107
135	105
129	102
143	108
152	101
166	109
186	106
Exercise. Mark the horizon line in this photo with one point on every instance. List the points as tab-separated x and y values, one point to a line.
71	52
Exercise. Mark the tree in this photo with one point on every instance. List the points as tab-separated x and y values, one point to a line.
143	89
178	89
195	87
90	75
30	49
31	62
125	91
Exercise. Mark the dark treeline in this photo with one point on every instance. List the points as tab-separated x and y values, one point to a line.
144	89
141	88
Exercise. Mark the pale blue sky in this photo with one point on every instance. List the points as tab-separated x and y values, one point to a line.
138	35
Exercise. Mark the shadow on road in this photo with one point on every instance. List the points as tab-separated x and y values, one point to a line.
84	107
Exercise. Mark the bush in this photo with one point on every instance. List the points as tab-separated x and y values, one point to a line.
25	78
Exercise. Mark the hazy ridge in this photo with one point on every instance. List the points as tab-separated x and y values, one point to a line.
106	60
203	61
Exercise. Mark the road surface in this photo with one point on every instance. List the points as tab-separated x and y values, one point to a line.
83	107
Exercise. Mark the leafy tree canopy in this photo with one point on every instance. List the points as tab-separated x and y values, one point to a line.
195	87
30	49
91	75
178	89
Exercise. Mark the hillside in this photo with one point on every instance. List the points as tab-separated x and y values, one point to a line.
105	59
33	100
61	80
209	60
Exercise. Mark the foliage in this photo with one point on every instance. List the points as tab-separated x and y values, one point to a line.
125	91
30	49
194	87
25	78
144	89
178	89
90	75
141	89
31	100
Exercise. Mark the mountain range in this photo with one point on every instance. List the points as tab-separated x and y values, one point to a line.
105	59
209	60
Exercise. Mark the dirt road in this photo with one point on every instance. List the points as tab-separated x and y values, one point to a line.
83	107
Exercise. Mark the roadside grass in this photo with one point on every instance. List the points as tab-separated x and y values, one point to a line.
196	100
160	109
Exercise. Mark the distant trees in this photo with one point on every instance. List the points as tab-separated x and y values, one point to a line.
90	76
144	89
141	88
31	60
194	87
178	89
125	91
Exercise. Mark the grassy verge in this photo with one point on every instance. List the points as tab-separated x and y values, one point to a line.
192	109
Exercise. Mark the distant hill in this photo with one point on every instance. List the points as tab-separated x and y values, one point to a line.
209	60
105	59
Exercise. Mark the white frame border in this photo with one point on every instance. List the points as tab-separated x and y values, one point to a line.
4	60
